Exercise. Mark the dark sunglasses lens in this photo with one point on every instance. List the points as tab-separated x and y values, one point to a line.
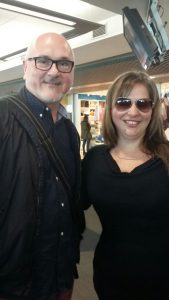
144	105
122	104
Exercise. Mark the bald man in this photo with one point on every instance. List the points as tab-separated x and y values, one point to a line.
39	224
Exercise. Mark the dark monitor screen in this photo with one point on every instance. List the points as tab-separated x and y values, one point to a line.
139	38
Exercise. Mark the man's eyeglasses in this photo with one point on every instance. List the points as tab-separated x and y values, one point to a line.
45	63
123	104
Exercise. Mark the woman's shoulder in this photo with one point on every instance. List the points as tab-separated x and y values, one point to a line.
96	151
94	158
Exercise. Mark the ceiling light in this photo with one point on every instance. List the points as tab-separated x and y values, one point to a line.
10	64
36	14
12	55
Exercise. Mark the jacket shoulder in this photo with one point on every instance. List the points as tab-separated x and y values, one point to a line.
5	103
74	135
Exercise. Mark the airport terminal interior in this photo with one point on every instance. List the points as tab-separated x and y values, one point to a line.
95	30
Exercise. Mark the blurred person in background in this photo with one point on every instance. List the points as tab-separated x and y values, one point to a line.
164	114
166	101
86	135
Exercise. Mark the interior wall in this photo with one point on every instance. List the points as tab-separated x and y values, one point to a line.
7	88
97	76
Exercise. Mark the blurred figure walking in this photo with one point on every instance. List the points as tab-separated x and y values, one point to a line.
86	135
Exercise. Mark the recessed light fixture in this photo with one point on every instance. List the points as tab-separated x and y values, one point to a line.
37	14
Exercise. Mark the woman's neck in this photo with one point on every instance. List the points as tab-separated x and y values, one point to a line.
129	156
129	147
130	150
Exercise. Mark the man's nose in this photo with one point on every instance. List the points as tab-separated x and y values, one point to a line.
53	69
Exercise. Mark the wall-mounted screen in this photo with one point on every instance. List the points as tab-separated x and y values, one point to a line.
139	38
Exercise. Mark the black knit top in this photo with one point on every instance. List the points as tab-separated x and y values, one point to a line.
132	257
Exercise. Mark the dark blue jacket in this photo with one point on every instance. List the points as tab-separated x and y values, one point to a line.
21	195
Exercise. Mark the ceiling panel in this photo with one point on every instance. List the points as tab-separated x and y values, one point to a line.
21	27
17	30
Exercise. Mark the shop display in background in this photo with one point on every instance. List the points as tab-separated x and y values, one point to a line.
95	111
98	117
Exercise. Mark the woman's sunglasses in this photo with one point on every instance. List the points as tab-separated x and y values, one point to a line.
144	105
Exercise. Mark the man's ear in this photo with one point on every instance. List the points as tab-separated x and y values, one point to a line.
24	67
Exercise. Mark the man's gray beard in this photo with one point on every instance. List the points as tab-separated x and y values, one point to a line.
52	101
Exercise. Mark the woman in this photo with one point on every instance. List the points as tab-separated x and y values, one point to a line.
127	182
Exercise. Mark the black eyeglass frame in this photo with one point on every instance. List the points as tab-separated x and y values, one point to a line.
148	104
52	62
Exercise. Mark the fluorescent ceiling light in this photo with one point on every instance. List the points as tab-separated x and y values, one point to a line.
40	16
20	56
12	61
10	64
75	8
36	14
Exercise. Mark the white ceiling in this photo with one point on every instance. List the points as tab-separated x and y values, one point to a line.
18	29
